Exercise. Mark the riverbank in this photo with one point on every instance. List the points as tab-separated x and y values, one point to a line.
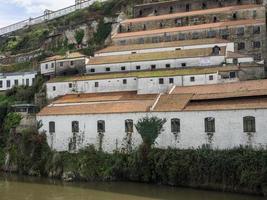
241	170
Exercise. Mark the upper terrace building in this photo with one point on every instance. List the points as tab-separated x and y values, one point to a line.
71	63
168	7
245	25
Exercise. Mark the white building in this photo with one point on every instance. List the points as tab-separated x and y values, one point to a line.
9	80
165	46
61	65
143	82
223	116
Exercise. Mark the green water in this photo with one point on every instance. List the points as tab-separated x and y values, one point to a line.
22	188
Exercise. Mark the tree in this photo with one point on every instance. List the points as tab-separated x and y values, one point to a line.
79	35
150	128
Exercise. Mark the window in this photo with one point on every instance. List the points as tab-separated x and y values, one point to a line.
124	81
141	41
61	64
123	68
210	125
211	34
254	13
257	56
8	83
183	64
232	74
52	65
195	35
70	85
249	124
27	82
182	36
192	79
256	29
256	44
54	88
168	65
187	7
211	77
240	31
16	82
144	27
101	126
234	16
108	69
216	50
122	42
161	81
71	62
129	126
171	9
171	81
52	127
241	45
1	84
153	67
46	66
75	127
204	5
175	125
215	19
96	84
224	33
138	67
235	61
92	70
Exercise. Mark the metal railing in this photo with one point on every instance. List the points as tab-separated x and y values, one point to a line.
47	17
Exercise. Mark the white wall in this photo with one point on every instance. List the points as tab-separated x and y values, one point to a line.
48	67
160	64
228	124
22	78
148	85
229	47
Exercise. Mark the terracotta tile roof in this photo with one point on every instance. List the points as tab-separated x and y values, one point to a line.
146	74
242	86
175	102
116	48
191	53
117	102
225	95
231	54
99	97
193	13
191	28
60	57
228	104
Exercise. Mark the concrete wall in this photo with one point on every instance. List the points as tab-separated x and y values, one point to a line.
229	47
228	129
63	67
247	38
141	85
160	64
21	78
183	5
249	13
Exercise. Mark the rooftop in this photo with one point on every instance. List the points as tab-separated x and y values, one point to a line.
192	13
190	53
180	43
72	55
231	96
228	24
145	74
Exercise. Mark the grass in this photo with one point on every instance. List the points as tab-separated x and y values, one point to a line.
146	74
17	67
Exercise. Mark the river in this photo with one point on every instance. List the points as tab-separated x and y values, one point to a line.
25	188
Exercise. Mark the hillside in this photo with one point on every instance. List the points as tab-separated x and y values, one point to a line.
84	30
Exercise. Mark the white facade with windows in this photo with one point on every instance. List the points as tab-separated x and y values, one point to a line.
156	64
147	85
229	129
9	80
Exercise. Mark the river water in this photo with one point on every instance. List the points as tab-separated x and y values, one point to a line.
25	188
